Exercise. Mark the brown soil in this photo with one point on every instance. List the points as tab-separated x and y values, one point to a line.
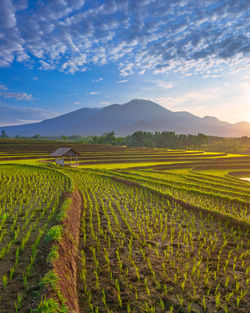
240	174
222	167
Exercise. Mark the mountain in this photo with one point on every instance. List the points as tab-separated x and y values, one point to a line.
127	118
57	126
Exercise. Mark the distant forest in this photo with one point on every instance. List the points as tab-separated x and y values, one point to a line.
158	140
172	140
163	139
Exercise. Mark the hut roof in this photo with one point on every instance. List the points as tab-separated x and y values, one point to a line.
62	151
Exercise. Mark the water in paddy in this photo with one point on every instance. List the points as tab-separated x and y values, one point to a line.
246	178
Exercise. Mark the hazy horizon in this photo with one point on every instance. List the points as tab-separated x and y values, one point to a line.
23	122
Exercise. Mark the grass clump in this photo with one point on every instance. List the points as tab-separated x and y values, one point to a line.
49	279
51	305
54	234
53	255
62	215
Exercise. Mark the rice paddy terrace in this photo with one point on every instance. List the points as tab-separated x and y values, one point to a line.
129	230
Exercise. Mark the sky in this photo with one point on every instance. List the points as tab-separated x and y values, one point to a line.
57	56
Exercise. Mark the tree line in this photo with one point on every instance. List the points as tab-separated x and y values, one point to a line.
163	139
3	134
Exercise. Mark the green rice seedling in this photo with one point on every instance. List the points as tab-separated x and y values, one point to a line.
181	300
5	280
189	307
136	270
146	286
240	297
217	300
118	292
204	304
136	293
25	280
162	305
128	308
18	303
227	281
2	252
12	271
97	280
228	296
183	285
237	286
119	260
104	298
225	308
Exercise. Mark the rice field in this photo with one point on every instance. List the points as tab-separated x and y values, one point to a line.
130	230
29	200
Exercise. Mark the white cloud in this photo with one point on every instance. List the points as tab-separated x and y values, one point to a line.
19	122
122	81
75	64
228	102
159	35
105	103
2	87
127	69
46	65
189	98
166	85
212	76
97	80
76	102
93	93
17	95
10	115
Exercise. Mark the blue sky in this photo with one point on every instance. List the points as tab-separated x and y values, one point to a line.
60	55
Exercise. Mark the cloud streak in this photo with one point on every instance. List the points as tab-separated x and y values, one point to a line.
16	95
97	80
165	85
2	87
93	93
158	35
123	81
16	116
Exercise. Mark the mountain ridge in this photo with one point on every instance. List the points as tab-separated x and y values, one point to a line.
124	119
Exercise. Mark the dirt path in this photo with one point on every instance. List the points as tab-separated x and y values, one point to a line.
66	264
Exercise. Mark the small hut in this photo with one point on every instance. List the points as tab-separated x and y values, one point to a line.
66	154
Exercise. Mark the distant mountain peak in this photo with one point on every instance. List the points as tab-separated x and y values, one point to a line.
141	102
135	115
244	123
211	118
